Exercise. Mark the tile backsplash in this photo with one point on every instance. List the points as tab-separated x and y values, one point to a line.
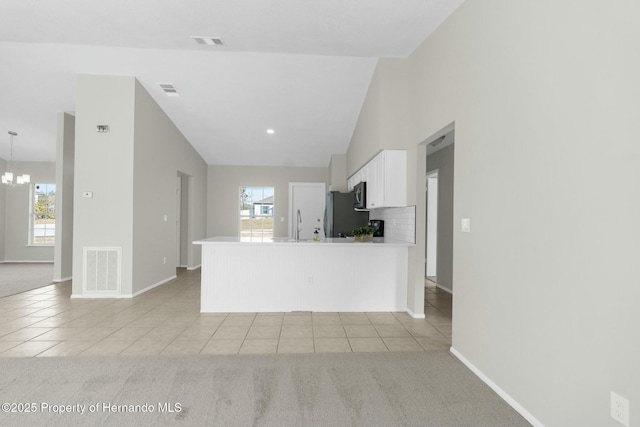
399	223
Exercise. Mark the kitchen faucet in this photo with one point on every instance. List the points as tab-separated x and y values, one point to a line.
298	228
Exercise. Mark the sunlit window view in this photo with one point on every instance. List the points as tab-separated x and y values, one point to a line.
43	223
256	214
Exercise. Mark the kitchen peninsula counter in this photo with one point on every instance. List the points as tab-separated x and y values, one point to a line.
285	275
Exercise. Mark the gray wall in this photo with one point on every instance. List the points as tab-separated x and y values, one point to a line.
65	153
338	173
104	166
17	216
160	152
3	207
546	169
224	182
443	160
132	173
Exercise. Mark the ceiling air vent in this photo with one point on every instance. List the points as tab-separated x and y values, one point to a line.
169	89
209	41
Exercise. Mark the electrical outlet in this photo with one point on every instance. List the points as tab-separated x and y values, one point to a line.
164	260
620	409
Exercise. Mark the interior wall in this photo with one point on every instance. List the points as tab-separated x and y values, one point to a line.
185	243
223	195
545	112
338	173
17	247
383	124
3	207
443	161
160	151
65	153
104	166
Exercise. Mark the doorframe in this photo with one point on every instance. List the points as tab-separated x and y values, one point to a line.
184	221
431	237
416	292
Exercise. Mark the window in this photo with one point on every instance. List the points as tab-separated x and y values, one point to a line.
43	214
256	214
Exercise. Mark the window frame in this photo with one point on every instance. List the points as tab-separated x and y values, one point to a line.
266	234
33	195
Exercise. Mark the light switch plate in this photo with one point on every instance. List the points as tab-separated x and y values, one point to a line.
466	225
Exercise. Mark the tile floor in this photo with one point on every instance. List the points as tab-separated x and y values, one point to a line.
166	321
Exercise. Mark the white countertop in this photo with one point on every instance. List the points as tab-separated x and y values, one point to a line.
377	241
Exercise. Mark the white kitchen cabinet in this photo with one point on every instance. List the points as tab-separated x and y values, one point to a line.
386	178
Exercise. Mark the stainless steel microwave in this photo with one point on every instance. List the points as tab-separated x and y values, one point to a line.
360	196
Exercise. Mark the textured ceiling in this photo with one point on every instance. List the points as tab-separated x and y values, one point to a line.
299	67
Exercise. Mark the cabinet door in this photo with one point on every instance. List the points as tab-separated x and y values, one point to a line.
395	183
376	189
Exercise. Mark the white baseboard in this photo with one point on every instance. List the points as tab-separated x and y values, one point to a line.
155	285
503	394
112	295
194	268
28	261
100	295
447	290
64	279
414	315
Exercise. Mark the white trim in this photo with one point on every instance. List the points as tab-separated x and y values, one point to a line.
148	288
64	279
503	394
31	261
414	315
194	267
447	290
113	295
100	295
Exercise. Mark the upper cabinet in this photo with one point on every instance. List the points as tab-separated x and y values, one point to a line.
386	178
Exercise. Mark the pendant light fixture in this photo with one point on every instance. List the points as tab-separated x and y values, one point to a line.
7	177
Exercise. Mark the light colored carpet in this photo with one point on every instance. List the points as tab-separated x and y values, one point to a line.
22	277
374	389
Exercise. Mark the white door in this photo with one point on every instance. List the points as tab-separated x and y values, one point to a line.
432	224
306	209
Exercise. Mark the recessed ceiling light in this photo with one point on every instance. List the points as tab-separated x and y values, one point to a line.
271	131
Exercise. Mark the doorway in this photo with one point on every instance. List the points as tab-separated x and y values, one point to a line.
182	220
439	224
431	238
306	209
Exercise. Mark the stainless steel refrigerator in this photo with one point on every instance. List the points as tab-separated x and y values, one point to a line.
340	217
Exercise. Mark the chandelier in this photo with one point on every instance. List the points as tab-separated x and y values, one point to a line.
7	177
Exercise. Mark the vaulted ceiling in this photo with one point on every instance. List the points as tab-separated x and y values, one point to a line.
299	67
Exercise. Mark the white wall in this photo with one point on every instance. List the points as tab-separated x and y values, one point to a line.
223	196
17	247
132	173
65	153
544	96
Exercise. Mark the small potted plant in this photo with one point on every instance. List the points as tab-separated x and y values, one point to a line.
363	234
